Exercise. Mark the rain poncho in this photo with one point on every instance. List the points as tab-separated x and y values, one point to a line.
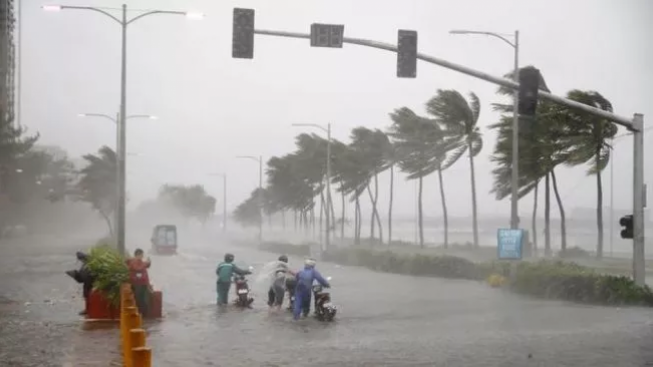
305	279
277	278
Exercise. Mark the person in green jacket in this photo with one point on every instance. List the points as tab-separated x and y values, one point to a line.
225	271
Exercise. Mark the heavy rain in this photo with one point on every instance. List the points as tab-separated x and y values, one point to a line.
290	183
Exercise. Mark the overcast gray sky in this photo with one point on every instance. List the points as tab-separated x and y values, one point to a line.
212	107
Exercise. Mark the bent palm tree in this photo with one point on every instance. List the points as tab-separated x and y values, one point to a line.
97	185
421	150
588	139
460	118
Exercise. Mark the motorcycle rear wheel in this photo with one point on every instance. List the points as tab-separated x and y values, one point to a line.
242	300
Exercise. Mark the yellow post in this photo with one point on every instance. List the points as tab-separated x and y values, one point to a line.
137	338
133	321
142	357
124	303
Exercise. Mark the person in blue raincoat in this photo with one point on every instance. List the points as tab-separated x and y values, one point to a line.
303	290
225	272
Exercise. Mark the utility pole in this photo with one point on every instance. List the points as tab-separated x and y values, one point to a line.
224	203
514	166
121	151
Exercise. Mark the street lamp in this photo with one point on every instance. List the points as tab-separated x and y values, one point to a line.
123	22
327	130
224	200
259	159
514	183
115	120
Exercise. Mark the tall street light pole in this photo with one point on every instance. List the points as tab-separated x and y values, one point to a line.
224	200
327	130
258	159
514	182
123	22
115	121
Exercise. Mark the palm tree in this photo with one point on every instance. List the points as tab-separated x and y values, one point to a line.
248	212
97	185
286	187
460	118
371	146
588	139
391	159
543	146
340	167
421	150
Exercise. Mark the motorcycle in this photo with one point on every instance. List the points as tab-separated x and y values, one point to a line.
291	283
324	309
243	298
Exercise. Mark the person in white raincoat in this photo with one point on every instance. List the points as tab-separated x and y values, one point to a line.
278	282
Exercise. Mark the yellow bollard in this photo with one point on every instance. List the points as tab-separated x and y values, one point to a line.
134	318
137	338
133	321
142	357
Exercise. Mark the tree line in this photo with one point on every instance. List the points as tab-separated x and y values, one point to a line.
34	176
98	182
419	145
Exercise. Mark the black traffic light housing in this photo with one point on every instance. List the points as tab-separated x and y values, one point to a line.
327	35
627	222
529	83
406	54
242	44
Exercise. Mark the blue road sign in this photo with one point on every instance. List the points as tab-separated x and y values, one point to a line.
509	243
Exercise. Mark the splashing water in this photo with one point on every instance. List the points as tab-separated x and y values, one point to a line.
267	272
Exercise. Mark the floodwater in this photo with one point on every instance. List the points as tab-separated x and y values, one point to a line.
383	320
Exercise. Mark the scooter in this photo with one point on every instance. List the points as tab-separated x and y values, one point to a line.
243	298
324	309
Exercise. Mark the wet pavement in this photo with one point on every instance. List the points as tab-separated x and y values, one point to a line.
39	325
383	320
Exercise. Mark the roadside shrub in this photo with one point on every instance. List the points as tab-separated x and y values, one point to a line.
108	267
549	279
574	253
418	264
572	282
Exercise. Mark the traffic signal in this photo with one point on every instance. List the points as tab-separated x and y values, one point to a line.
529	83
242	44
327	35
406	54
627	222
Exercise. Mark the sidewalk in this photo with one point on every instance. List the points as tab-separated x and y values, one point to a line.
39	325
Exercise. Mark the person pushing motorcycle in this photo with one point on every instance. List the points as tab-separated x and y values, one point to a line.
225	272
278	286
305	279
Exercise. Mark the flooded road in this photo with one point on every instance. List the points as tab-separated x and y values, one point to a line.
386	320
383	320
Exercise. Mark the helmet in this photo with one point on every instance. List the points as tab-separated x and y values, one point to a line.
283	258
310	262
229	258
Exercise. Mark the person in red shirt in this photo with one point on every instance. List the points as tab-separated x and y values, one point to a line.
140	280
